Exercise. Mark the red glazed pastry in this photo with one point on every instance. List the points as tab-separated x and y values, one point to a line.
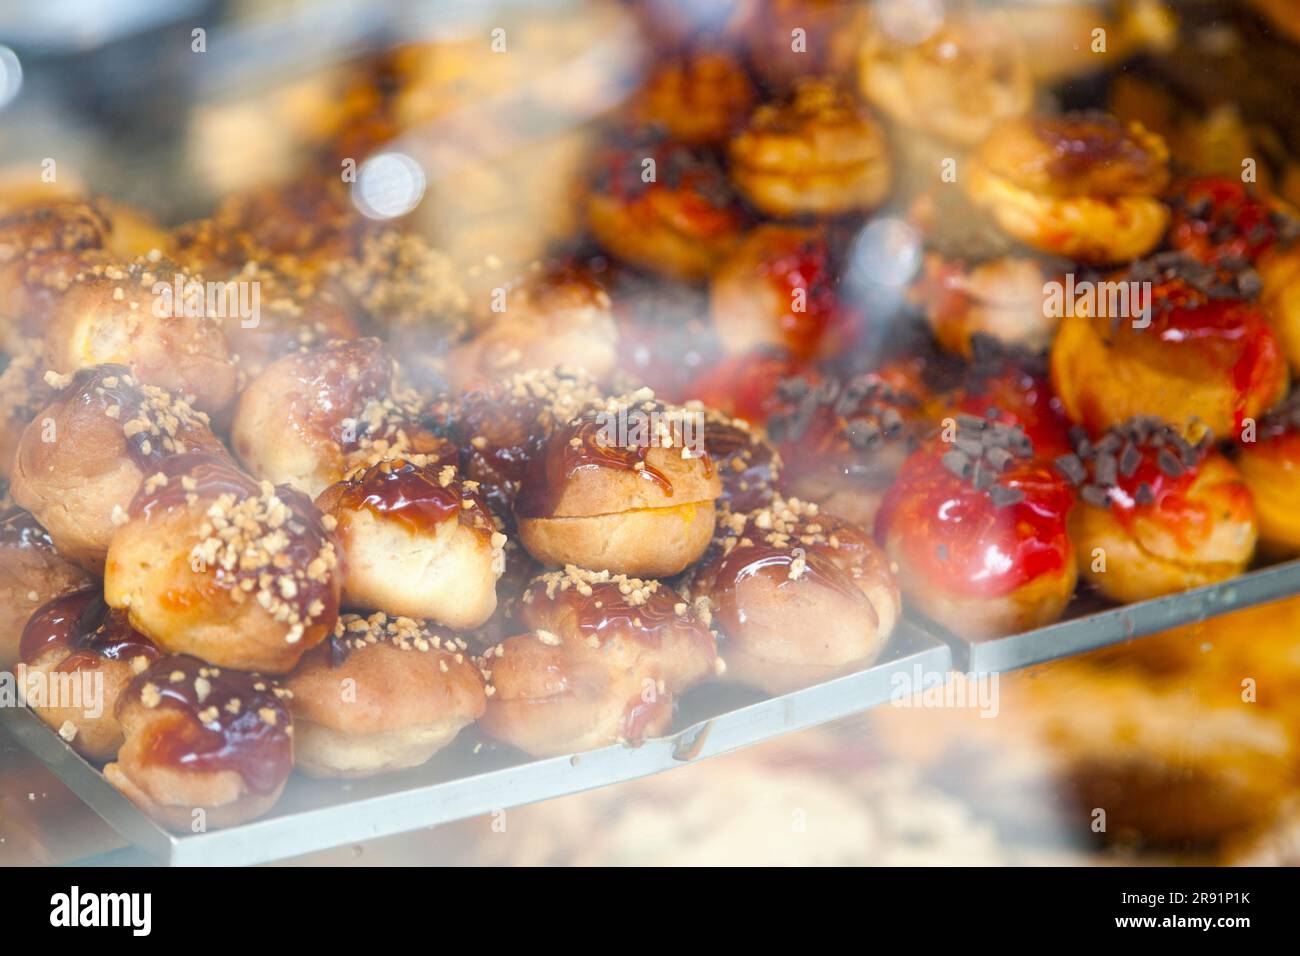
1269	463
1156	514
977	529
1206	353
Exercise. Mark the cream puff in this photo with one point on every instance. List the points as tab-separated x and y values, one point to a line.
818	153
418	541
954	84
548	318
151	316
210	562
382	694
205	747
778	289
1157	513
23	393
627	487
87	655
1083	186
82	459
313	416
1196	349
748	464
843	441
701	96
797	595
603	661
1269	462
31	573
665	207
977	528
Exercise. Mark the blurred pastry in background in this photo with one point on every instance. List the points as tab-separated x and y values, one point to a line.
1270	466
818	152
32	572
701	96
786	40
1083	186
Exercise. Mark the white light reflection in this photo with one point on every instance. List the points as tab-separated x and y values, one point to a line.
909	21
388	185
11	76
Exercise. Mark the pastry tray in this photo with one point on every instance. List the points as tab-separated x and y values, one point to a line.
474	776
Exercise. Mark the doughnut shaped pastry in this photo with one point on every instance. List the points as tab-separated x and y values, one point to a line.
977	530
382	694
701	96
313	416
1270	466
748	464
551	318
86	654
1206	353
1083	186
798	596
418	541
42	249
31	573
843	441
1156	514
205	747
777	289
664	207
23	393
151	316
212	563
817	153
604	659
955	84
628	487
84	457
1002	299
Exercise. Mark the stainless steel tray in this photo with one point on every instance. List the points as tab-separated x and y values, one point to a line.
1090	623
473	777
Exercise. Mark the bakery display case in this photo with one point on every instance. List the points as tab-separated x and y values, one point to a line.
581	432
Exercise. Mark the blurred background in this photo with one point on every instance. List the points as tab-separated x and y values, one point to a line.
1179	748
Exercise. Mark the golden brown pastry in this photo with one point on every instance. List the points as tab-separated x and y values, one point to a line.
86	654
955	83
977	529
23	393
151	316
1201	351
701	96
1269	464
604	659
818	153
1156	513
627	487
1083	186
205	747
418	541
31	573
383	693
799	596
211	563
83	458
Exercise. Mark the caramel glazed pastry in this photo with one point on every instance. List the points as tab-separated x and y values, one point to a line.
205	747
799	596
602	660
381	694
